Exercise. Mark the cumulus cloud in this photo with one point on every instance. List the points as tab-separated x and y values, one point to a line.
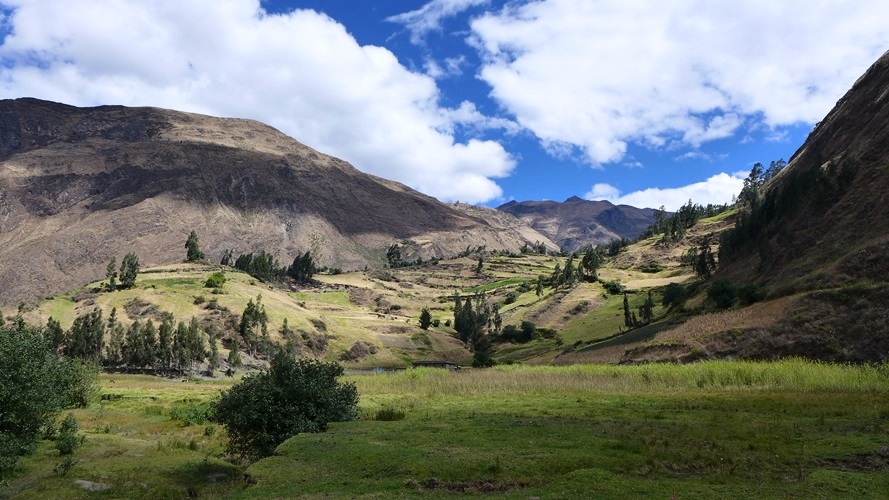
718	189
596	76
429	17
301	72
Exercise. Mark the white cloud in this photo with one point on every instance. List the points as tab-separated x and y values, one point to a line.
429	17
599	75
718	189
301	72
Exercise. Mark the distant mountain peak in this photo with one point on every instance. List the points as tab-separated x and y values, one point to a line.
576	223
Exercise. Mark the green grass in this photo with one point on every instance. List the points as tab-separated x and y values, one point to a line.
706	430
717	429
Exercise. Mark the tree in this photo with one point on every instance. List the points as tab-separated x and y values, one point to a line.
628	318
193	251
35	385
292	397
86	337
129	268
646	310
303	267
254	323
393	256
705	263
227	258
478	267
111	275
234	355
425	318
590	263
164	356
115	348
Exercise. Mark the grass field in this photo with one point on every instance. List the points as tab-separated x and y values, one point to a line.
790	429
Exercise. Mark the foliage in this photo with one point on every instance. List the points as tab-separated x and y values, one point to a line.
425	318
35	384
85	339
614	287
292	397
254	324
674	296
111	275
192	412
723	292
193	252
129	268
303	268
69	439
215	280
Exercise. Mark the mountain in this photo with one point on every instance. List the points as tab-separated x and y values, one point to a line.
79	186
576	223
813	246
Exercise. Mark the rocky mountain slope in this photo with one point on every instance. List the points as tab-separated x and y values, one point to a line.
576	223
81	185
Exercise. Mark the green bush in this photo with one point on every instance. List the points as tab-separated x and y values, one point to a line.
69	439
292	397
723	292
614	287
192	412
216	280
35	385
674	296
749	293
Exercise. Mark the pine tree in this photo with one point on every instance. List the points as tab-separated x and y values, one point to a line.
193	250
234	355
213	357
647	309
114	349
425	318
129	268
628	318
85	339
539	288
53	335
165	343
111	275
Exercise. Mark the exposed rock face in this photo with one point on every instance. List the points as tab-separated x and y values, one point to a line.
576	223
80	185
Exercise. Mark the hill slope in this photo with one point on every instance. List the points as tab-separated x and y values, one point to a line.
81	185
576	223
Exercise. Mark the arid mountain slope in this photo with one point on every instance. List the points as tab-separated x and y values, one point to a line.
81	185
576	223
824	220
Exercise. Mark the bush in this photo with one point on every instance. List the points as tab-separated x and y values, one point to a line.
723	292
191	412
216	280
53	383
674	296
614	287
266	408
749	293
69	439
510	297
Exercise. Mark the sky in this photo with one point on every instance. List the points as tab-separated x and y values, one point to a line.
480	101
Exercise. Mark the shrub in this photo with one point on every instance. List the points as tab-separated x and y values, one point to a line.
674	296
510	297
69	439
53	383
723	292
191	412
749	293
216	280
614	287
266	408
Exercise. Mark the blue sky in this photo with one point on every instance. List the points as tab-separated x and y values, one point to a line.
481	101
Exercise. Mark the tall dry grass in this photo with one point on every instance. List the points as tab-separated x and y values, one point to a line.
787	375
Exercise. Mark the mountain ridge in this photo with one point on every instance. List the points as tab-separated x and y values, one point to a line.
79	186
577	223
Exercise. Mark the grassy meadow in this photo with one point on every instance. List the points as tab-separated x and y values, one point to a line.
788	429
